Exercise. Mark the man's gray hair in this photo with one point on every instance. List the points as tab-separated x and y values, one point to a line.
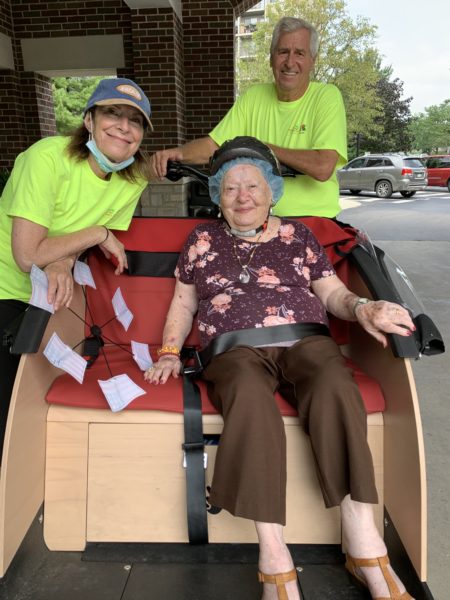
291	24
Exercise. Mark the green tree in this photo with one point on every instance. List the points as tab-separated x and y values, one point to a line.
395	118
70	95
431	130
347	57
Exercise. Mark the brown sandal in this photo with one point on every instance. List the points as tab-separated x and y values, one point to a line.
352	564
279	580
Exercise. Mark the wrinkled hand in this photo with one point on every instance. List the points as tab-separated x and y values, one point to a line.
381	317
113	247
60	282
158	161
161	371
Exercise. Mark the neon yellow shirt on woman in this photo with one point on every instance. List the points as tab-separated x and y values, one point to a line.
316	121
51	189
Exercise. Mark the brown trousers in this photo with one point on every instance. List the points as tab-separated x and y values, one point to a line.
250	471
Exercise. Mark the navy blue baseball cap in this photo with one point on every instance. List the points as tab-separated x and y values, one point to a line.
118	90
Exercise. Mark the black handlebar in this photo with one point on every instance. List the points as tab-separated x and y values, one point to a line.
176	170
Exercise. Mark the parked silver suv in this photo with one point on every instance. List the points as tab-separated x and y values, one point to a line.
384	174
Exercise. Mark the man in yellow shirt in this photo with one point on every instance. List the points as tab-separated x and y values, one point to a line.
302	121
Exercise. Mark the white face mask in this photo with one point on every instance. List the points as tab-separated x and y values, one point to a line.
106	165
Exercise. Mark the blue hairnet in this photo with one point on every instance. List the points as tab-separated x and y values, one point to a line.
275	182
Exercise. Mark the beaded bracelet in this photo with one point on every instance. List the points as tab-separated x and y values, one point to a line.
168	350
168	354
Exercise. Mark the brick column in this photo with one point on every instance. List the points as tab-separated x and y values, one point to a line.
11	124
12	134
209	63
37	98
158	68
157	42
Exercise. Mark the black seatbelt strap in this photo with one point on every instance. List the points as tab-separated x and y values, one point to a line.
195	469
259	337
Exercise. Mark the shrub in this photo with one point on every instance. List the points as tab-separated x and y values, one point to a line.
4	174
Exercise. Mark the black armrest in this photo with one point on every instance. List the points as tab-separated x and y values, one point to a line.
426	339
27	331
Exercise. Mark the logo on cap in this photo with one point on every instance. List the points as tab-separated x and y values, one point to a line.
129	90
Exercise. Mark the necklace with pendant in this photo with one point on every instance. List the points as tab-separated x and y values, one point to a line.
244	275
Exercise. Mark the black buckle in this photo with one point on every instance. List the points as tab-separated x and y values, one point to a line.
193	446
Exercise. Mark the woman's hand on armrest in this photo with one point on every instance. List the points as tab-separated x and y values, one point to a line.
60	282
161	371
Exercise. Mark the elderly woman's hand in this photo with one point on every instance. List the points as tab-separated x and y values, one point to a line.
379	317
111	246
161	371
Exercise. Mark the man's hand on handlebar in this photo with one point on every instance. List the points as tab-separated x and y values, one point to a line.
158	161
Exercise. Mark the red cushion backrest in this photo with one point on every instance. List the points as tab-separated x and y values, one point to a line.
149	298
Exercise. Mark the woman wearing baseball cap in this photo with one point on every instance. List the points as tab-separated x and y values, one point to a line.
64	195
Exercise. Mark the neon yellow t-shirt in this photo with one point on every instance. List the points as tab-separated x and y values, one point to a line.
61	194
316	121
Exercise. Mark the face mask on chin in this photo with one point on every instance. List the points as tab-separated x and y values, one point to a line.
106	165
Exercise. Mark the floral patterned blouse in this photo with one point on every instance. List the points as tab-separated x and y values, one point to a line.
280	274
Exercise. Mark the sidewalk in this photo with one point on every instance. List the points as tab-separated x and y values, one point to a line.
427	264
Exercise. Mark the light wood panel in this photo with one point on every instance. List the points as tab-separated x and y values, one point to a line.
135	484
23	461
404	456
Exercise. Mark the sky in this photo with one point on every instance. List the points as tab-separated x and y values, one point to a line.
414	38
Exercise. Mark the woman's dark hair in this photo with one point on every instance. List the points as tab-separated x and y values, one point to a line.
78	150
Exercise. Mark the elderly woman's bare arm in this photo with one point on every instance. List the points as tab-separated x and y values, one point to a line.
176	329
377	317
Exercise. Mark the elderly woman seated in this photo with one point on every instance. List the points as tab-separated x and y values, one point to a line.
248	272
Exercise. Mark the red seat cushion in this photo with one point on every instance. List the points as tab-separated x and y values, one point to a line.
67	391
148	299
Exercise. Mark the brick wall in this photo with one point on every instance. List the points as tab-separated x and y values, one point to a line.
47	18
12	136
208	59
45	106
5	17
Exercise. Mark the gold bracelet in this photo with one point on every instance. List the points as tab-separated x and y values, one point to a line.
168	350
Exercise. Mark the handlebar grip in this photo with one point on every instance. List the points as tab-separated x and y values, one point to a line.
289	171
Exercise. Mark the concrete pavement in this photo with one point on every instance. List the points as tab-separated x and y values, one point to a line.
427	264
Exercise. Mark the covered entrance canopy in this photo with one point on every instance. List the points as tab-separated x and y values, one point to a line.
179	51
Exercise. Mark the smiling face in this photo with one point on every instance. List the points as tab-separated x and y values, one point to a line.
292	64
245	197
117	129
